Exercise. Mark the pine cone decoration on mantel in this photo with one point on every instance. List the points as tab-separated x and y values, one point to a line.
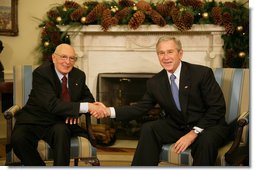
95	13
216	15
126	3
71	4
137	19
157	18
106	21
77	14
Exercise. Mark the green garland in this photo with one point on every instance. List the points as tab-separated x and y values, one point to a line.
234	16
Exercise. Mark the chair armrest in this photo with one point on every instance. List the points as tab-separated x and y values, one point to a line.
10	113
242	121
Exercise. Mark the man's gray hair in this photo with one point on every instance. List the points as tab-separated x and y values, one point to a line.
167	38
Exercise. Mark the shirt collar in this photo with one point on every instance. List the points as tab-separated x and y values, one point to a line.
60	76
177	72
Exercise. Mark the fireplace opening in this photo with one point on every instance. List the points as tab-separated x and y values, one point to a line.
118	89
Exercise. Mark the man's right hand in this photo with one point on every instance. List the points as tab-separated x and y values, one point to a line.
98	110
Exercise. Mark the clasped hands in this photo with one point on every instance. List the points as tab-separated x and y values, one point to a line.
98	110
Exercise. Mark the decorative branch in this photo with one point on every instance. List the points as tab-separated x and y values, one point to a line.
182	14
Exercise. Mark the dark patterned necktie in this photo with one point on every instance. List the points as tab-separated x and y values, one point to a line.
65	92
175	91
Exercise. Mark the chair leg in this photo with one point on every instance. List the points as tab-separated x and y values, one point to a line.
94	161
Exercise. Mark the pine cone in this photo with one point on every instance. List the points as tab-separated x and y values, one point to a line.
227	18
193	3
187	19
170	3
53	14
90	3
230	4
77	14
95	13
126	3
227	22
216	15
229	28
157	18
144	6
123	13
182	21
137	19
106	21
162	9
71	4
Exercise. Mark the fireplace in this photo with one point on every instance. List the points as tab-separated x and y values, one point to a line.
117	89
121	50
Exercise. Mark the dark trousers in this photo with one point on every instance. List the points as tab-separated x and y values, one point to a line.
156	133
25	139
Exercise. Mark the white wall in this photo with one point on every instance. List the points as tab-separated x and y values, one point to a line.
21	49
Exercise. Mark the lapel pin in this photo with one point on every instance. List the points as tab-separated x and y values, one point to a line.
76	84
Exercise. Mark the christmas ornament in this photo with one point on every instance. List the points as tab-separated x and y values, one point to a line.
46	44
58	19
83	20
205	15
239	28
242	54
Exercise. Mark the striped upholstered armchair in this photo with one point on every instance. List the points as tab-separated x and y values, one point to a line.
235	87
81	148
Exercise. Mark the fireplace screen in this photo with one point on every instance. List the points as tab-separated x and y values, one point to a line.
117	89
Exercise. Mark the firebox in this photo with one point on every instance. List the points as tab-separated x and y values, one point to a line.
117	89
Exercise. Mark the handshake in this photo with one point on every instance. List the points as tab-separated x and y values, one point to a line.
98	110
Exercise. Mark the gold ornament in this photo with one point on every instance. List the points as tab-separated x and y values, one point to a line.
46	44
83	20
205	15
242	54
58	19
134	7
239	28
64	9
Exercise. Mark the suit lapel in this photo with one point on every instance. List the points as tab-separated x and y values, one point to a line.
184	88
73	86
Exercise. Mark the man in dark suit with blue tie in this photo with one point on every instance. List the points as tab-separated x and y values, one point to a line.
193	117
50	113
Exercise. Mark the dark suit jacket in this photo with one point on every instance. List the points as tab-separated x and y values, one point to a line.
44	106
202	101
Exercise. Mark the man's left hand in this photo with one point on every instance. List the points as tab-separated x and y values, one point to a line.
70	120
185	141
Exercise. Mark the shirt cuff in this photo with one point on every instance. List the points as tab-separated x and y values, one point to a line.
112	112
198	129
83	108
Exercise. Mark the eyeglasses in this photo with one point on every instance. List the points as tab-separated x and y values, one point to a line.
64	57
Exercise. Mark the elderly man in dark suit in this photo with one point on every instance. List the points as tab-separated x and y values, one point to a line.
53	108
193	105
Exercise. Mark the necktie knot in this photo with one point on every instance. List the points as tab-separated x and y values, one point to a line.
64	79
172	77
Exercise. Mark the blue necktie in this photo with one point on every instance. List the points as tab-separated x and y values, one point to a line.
175	91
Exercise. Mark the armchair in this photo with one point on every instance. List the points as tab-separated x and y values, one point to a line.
235	86
81	148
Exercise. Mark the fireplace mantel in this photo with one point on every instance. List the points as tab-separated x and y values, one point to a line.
124	50
201	28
